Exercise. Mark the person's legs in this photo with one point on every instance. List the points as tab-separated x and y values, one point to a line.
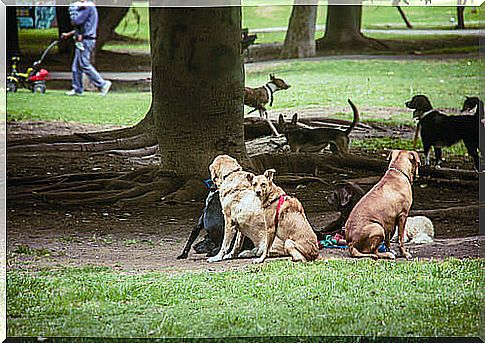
77	73
87	67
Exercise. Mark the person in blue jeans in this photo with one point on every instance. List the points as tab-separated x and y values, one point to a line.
84	17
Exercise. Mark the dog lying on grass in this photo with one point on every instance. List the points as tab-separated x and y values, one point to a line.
303	139
285	219
375	217
439	130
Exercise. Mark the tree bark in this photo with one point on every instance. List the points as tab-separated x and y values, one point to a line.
109	19
65	46
13	48
460	17
343	29
300	36
197	87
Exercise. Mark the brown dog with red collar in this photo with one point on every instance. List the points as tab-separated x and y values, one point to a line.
258	98
375	217
285	220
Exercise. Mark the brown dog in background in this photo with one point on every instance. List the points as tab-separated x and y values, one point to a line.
375	217
285	219
259	97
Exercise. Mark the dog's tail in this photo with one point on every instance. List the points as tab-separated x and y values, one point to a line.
356	118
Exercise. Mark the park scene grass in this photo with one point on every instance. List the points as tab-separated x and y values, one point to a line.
109	271
336	297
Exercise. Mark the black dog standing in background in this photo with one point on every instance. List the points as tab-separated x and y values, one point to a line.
439	130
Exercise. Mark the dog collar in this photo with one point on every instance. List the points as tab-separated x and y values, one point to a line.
403	173
425	114
281	200
269	91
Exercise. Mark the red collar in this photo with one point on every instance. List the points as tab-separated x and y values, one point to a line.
277	215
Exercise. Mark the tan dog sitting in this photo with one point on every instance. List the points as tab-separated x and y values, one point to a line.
241	207
375	217
285	220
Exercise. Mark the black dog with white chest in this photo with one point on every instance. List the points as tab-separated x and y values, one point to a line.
439	130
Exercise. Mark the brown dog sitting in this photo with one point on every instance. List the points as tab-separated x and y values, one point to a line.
285	220
375	217
259	97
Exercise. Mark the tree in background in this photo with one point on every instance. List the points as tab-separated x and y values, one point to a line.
109	18
300	36
64	25
343	29
13	48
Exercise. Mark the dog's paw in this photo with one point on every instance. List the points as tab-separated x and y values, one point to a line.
407	255
181	256
214	259
229	256
246	254
258	260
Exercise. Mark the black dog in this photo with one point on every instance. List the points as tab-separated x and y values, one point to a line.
473	102
439	130
343	198
211	219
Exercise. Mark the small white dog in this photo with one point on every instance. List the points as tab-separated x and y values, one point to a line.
418	230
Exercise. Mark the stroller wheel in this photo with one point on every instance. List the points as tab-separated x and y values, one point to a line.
39	88
11	87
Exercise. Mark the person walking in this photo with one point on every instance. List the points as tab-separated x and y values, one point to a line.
84	17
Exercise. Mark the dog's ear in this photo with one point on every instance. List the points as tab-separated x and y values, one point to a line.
269	174
281	120
392	154
467	97
294	119
271	77
250	177
344	195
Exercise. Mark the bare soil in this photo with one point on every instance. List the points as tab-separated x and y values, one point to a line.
135	239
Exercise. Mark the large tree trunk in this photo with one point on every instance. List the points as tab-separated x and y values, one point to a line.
13	48
197	87
300	36
109	19
343	29
64	25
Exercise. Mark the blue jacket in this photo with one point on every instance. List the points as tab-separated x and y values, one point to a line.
87	17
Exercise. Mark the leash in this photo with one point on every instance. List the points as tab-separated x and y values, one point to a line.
281	200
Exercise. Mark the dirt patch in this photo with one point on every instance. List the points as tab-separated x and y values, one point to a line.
150	238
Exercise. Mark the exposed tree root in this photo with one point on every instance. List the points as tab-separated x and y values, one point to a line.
134	142
145	126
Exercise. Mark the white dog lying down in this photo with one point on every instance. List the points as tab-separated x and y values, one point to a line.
418	230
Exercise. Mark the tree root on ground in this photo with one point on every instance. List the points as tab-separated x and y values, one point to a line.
134	142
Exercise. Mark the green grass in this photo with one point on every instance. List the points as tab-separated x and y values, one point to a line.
372	83
116	108
369	83
388	143
337	297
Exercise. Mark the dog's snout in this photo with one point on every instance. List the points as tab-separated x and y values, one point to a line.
258	193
